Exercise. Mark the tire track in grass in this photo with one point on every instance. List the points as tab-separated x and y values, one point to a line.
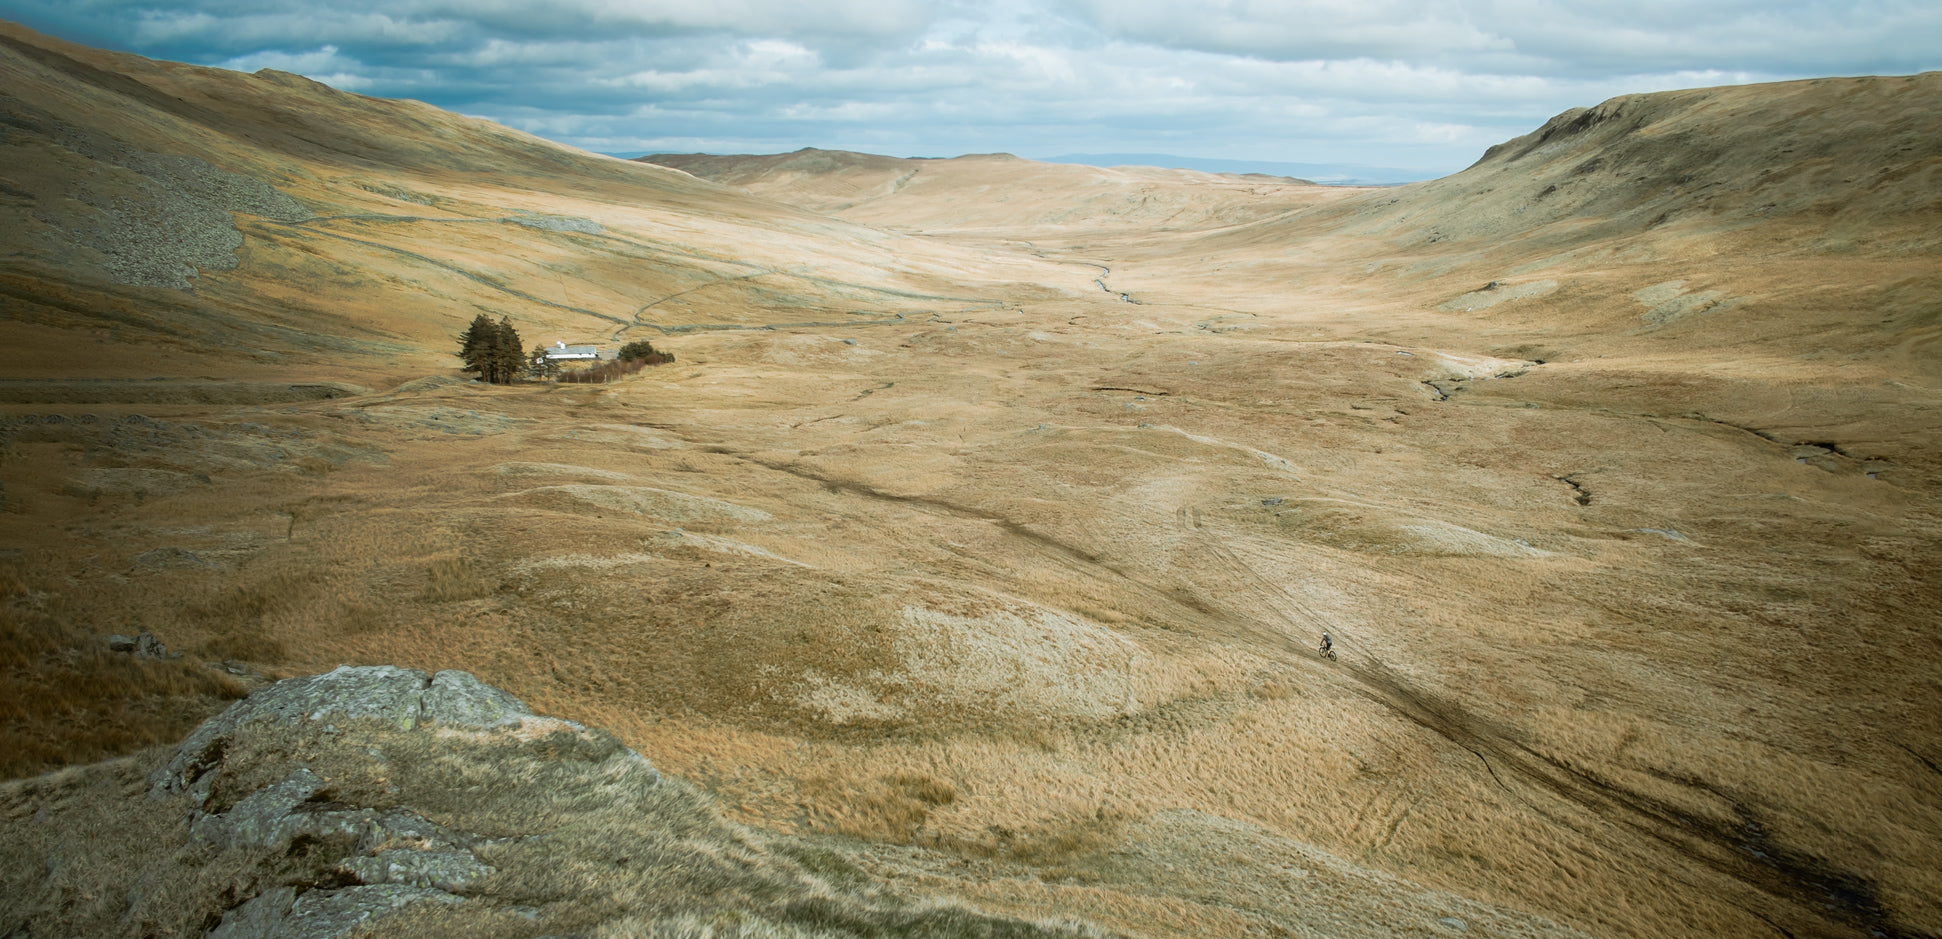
1816	897
1793	894
1799	894
1184	604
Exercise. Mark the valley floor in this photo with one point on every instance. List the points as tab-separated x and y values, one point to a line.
1028	597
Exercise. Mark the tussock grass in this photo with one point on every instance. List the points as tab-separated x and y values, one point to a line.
1051	842
1086	612
891	807
65	698
457	578
995	693
585	839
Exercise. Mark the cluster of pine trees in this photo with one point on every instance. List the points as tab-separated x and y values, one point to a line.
492	349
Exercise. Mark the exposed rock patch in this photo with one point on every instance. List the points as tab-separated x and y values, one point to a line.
523	469
396	697
560	223
458	421
379	798
143	646
152	219
639	500
1669	301
283	913
131	481
1497	292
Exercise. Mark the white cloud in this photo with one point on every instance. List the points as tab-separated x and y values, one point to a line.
1297	29
1426	83
1556	37
844	111
1433	132
1034	64
316	60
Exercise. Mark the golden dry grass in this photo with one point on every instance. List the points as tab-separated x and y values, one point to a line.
1634	601
575	834
65	698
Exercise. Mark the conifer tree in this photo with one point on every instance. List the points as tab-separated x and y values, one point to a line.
492	350
474	343
508	355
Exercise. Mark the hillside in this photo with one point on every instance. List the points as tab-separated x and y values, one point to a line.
1723	248
1001	193
971	557
127	175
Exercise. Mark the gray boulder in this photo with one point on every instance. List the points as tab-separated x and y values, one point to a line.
451	871
283	913
262	818
383	802
259	918
459	699
397	828
144	646
398	697
391	858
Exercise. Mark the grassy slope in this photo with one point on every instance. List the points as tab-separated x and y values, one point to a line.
1000	193
444	206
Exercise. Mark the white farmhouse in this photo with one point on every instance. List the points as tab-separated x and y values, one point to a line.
561	352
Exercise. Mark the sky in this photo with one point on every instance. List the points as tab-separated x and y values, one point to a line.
1424	85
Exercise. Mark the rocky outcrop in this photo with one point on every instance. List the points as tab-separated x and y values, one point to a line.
361	862
381	801
399	697
143	217
284	913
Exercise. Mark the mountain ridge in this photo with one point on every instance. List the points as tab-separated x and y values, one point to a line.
960	192
1327	174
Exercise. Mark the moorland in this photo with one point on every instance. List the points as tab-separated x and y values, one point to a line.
984	527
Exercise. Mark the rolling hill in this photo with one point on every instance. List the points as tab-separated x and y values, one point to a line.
971	556
1000	192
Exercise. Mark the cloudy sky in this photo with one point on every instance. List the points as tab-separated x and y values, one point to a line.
1420	84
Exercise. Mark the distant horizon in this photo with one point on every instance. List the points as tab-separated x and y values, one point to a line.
1324	174
1422	85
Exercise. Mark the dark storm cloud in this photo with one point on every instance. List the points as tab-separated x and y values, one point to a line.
1425	83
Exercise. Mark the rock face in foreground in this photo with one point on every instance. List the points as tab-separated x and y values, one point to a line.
393	857
396	697
382	801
